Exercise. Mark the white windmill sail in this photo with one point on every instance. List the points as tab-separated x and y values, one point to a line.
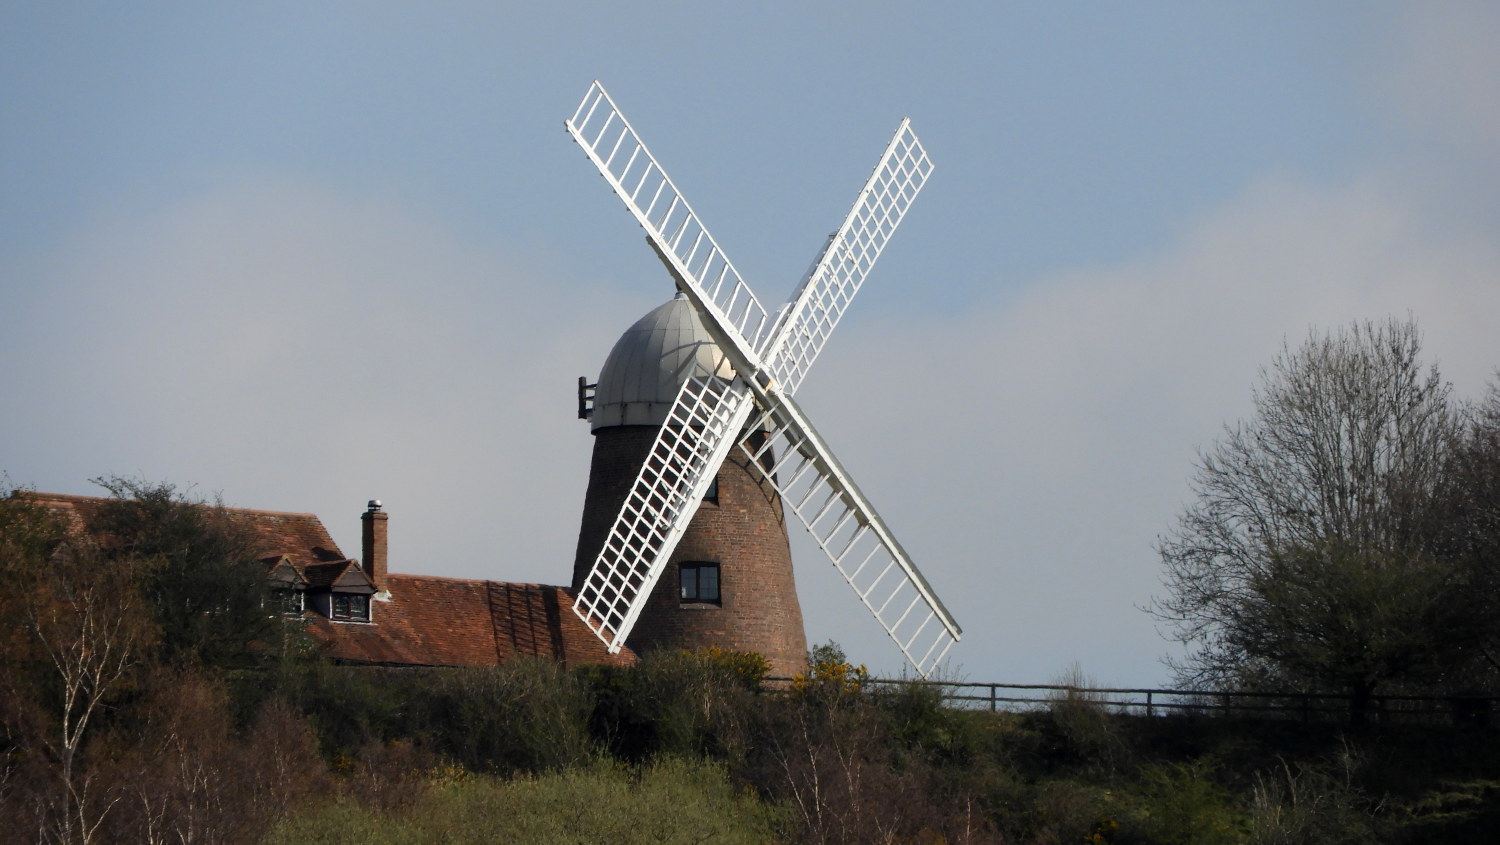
709	413
830	285
674	230
808	477
812	483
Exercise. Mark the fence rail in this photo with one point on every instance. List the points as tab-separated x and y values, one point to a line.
1473	711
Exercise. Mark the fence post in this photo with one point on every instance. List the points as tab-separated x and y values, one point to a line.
1148	702
992	698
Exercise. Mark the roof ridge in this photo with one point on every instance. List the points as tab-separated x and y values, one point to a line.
412	575
80	498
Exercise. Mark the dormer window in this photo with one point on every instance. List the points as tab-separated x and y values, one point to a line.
290	601
350	607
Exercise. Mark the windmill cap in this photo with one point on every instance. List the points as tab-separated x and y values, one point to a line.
649	363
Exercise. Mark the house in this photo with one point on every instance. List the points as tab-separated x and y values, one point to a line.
364	614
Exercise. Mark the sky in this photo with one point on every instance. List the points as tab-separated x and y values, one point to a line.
304	255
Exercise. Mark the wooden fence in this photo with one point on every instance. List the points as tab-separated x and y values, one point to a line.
1471	711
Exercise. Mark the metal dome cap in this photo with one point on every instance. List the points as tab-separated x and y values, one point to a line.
649	363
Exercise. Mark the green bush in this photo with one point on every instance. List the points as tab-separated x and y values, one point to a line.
1085	731
682	703
830	677
918	718
1179	804
672	800
351	707
528	715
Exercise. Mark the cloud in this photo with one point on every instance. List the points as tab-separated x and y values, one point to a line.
1030	451
305	350
1441	72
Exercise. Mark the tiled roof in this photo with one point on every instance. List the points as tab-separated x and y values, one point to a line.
343	573
300	537
427	621
432	621
76	512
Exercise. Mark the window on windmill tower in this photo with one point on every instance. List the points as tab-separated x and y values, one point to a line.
712	494
699	583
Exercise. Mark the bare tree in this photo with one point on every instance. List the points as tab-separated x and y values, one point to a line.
1467	529
1307	558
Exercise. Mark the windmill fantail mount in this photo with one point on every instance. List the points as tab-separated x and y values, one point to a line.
714	405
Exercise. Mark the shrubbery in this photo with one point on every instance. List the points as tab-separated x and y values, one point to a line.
671	800
113	728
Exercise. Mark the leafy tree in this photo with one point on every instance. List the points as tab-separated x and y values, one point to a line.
1308	558
204	578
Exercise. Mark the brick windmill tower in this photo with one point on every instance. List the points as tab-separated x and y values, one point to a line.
729	581
700	448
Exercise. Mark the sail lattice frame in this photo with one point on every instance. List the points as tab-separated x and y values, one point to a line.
709	414
825	293
812	484
623	159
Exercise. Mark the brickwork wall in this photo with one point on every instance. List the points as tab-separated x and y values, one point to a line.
744	532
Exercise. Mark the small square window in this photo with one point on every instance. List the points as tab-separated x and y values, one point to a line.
290	601
712	494
699	583
349	607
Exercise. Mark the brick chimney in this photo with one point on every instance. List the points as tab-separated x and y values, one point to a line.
372	543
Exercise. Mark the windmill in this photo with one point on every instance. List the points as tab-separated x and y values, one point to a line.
744	400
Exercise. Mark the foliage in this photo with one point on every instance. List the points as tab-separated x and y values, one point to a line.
682	746
670	800
1467	531
833	764
182	773
529	716
80	641
1180	804
751	667
1312	803
830	676
1307	559
353	708
856	761
204	580
1085	730
918	717
676	703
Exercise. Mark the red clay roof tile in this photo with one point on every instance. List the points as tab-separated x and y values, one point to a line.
421	620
